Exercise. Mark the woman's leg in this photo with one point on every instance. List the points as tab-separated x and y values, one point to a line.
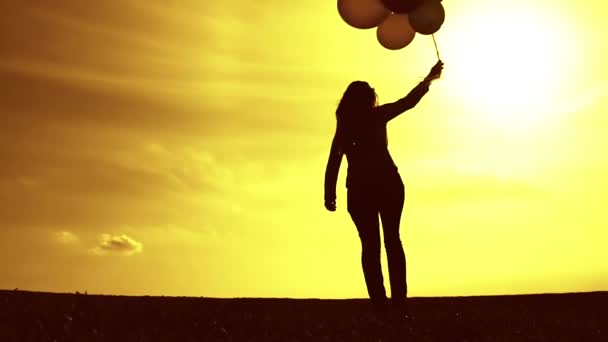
364	213
390	209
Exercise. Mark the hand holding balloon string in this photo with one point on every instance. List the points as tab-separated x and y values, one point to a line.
435	72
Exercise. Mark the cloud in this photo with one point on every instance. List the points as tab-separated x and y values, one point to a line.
120	244
66	237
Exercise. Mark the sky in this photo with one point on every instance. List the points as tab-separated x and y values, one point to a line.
178	148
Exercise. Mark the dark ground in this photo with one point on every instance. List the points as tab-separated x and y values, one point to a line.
35	316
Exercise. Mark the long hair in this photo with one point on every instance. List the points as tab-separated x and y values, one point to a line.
357	102
359	97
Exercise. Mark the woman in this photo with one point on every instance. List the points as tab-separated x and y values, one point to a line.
373	182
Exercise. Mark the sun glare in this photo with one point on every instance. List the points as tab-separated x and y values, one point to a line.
508	64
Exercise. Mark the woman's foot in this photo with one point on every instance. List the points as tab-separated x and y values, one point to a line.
379	305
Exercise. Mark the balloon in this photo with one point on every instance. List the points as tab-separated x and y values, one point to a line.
402	6
362	14
395	32
428	18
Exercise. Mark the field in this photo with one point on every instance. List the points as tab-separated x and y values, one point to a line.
36	316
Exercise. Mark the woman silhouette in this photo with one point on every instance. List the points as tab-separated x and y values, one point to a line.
373	183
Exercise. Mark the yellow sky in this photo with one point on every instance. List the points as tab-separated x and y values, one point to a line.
179	149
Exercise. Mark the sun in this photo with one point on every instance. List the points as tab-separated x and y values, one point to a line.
508	63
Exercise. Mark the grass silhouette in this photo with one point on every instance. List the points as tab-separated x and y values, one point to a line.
39	316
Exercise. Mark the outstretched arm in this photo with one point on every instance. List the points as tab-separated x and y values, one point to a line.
332	169
391	110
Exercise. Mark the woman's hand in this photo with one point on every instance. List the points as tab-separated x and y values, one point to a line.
435	72
330	205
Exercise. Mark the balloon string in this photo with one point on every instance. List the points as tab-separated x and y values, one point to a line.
436	49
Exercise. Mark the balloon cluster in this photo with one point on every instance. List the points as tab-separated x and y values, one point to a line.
397	20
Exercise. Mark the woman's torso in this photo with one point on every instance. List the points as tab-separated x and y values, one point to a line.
366	149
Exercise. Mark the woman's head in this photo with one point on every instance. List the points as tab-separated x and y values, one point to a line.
358	98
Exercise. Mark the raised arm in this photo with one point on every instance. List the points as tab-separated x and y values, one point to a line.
333	167
391	110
